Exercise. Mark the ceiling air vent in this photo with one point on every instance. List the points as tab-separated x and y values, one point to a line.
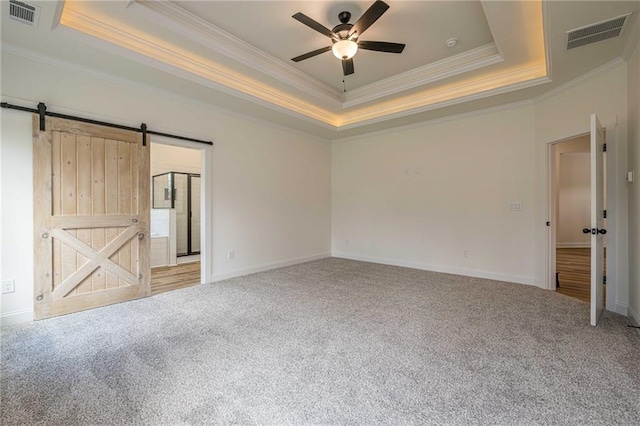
596	32
25	13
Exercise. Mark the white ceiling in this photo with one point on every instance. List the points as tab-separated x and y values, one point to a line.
236	54
268	25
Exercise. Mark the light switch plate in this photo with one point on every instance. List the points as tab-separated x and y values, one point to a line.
515	206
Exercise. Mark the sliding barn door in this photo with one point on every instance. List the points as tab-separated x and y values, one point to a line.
91	216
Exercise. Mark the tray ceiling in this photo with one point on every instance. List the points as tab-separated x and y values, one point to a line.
243	49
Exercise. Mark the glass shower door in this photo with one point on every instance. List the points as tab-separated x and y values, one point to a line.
181	192
194	192
181	205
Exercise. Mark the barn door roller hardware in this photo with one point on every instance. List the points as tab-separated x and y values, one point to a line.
42	112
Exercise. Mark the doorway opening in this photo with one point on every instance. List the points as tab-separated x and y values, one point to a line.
181	192
177	203
570	201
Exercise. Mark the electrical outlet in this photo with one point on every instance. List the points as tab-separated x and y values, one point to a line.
465	253
8	286
231	254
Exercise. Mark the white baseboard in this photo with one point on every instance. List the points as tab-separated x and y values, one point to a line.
443	269
267	267
16	317
622	309
573	245
633	316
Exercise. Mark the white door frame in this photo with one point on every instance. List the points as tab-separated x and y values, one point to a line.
612	262
206	203
550	282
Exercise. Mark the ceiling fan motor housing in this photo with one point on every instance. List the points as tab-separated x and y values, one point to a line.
344	17
342	30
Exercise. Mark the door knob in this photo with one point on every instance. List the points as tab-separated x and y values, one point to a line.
594	231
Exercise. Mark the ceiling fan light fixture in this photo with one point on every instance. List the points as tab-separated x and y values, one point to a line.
344	49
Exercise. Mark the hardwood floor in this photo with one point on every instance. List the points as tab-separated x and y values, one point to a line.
573	266
169	278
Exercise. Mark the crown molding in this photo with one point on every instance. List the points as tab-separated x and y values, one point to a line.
210	36
467	61
201	71
634	39
172	16
594	73
97	74
546	31
57	14
435	121
210	74
491	23
517	79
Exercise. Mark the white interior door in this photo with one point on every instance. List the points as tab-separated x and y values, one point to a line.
597	220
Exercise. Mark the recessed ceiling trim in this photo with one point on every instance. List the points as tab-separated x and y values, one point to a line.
517	79
207	73
212	37
546	19
127	82
211	74
468	61
215	38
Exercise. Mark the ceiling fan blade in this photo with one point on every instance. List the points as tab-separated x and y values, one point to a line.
347	66
369	17
381	46
301	17
311	54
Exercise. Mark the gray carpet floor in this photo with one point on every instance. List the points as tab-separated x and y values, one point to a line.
327	342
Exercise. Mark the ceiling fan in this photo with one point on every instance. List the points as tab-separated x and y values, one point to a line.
344	36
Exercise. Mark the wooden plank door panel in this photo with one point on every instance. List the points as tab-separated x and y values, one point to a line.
91	219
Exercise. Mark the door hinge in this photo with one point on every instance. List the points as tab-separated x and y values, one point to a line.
604	279
604	147
604	213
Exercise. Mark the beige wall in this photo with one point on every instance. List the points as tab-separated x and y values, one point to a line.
436	197
634	188
426	196
565	114
271	186
16	209
419	196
